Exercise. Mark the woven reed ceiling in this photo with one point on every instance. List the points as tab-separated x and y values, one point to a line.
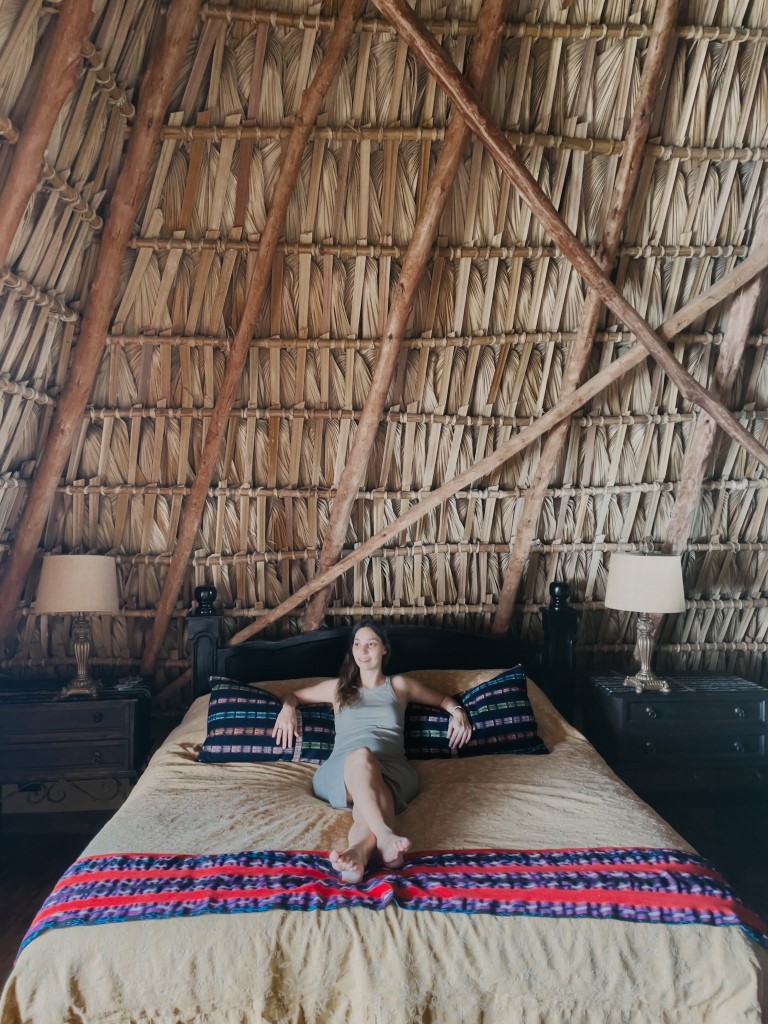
496	311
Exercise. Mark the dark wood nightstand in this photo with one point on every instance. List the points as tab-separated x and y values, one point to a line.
710	732
71	740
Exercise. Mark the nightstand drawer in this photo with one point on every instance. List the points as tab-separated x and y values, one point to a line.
677	712
59	740
103	717
693	746
708	732
30	761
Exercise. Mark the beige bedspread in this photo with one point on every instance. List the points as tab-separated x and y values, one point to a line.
392	966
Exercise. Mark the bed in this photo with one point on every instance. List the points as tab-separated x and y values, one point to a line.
376	957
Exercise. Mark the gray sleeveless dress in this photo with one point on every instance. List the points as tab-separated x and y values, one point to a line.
376	722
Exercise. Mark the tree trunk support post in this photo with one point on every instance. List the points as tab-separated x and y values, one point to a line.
481	61
217	425
155	92
623	192
61	70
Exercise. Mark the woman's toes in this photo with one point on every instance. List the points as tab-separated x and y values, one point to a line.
392	848
350	864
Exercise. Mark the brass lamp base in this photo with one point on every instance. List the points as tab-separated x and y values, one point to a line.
646	678
647	681
82	685
81	688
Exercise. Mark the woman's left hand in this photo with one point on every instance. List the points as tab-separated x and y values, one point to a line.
459	729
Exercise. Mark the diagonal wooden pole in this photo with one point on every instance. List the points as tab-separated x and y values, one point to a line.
581	349
481	62
729	361
238	353
743	273
432	55
155	91
62	67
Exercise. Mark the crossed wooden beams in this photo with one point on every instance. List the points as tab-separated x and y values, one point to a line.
466	105
581	349
414	265
465	102
740	317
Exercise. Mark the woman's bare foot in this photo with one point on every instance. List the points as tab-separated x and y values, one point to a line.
391	848
351	863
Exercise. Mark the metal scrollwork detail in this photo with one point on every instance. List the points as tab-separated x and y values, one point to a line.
37	793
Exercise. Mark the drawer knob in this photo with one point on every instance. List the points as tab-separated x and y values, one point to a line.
98	757
97	716
650	747
740	712
738	746
652	712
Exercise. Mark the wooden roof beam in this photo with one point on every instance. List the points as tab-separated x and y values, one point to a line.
63	66
437	62
238	353
754	264
697	454
481	62
581	349
159	78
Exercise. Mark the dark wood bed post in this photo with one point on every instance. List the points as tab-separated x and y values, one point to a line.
561	624
204	632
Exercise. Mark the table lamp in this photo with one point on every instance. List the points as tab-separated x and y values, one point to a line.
648	584
78	585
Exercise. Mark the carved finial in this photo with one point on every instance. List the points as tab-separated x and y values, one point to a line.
205	596
559	592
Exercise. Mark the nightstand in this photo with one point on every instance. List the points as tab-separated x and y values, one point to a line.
71	740
710	732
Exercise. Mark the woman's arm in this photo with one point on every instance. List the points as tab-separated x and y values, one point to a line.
459	726
285	724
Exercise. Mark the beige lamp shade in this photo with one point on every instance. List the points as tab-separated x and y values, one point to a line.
645	583
70	584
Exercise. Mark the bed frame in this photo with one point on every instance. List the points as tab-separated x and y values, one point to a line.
320	653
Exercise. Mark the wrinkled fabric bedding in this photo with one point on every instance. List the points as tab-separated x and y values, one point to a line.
393	966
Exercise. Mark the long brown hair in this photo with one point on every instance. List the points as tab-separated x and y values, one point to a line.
348	687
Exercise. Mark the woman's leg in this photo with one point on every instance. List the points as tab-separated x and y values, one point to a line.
361	843
373	811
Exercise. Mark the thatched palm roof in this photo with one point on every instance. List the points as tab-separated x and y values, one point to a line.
496	312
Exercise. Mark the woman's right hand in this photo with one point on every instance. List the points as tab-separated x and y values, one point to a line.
285	726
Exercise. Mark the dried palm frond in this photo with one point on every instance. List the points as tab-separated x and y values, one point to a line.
14	67
292	45
271	106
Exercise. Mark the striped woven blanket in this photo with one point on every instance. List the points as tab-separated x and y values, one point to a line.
643	885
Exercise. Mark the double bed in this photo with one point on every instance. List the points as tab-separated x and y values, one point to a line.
305	949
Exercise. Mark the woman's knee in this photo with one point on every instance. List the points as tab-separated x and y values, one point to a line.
359	759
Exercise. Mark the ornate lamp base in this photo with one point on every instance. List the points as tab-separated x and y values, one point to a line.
640	682
82	685
646	678
80	688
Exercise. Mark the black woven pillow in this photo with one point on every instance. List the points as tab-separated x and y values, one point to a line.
240	723
501	715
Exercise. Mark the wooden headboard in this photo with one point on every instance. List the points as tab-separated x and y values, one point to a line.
320	653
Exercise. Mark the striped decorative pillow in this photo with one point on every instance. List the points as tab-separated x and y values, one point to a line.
240	723
502	722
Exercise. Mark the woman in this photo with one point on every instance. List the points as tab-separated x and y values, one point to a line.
368	769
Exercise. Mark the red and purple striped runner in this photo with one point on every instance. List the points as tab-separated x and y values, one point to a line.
633	884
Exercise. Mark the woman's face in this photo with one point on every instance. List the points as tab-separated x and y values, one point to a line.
367	649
